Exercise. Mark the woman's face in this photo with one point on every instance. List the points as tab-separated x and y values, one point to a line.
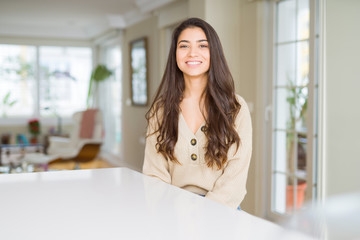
192	53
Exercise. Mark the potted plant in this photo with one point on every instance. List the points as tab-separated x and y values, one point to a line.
34	129
298	102
99	74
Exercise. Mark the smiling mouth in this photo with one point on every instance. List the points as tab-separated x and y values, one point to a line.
193	62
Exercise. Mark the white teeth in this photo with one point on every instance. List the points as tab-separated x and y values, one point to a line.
193	63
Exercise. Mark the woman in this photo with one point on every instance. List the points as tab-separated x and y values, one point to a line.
199	132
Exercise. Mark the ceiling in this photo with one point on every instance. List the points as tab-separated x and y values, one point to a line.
71	19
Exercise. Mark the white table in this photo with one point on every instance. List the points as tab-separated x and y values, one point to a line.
118	203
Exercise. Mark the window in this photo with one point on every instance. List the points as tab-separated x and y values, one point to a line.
64	79
44	81
294	133
110	97
17	80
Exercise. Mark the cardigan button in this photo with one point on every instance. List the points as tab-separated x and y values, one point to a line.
193	141
203	128
193	157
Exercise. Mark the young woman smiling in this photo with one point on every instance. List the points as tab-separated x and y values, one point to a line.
199	134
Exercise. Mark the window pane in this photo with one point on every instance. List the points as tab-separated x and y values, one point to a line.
110	100
303	19
280	158
279	193
287	156
286	21
291	108
17	85
288	193
300	115
138	64
64	79
301	155
286	65
302	73
282	108
114	60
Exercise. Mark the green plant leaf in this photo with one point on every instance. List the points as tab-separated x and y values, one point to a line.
99	74
12	103
6	97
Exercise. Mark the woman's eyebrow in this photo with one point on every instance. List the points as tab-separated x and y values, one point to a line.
187	41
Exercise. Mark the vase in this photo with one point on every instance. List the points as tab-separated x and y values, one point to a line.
33	140
300	196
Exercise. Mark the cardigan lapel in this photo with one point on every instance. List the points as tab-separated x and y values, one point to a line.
183	125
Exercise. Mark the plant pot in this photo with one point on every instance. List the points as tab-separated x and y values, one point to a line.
33	140
300	196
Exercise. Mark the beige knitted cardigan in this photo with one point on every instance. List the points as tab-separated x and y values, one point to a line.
227	185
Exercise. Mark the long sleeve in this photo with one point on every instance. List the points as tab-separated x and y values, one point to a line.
155	164
230	187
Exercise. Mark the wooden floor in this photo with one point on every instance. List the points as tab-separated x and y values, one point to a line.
96	163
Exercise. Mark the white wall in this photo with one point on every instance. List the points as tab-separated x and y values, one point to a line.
342	97
134	123
196	8
225	18
235	22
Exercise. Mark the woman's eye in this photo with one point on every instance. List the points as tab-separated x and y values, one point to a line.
203	46
183	46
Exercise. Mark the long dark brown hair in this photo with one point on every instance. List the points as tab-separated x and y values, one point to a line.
220	102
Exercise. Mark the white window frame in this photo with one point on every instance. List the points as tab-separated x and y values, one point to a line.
314	173
37	43
103	51
100	47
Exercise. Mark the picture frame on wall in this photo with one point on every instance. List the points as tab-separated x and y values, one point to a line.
139	72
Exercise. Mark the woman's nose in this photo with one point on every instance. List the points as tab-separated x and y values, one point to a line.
193	51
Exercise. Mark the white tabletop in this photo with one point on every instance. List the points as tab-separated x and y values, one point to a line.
118	203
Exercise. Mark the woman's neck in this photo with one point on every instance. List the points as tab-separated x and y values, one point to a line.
194	86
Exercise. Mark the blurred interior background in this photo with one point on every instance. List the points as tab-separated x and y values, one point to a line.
294	61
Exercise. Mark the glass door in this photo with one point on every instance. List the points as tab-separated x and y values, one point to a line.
294	134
